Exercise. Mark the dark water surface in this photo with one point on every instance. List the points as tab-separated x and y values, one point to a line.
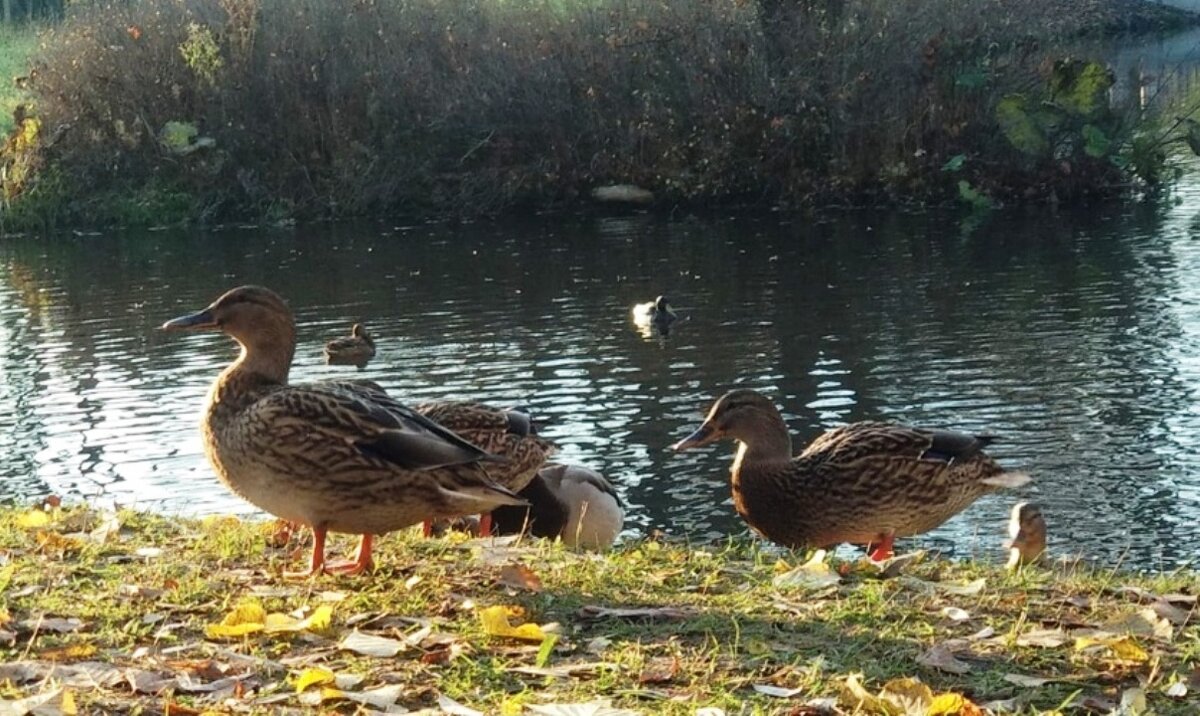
1074	336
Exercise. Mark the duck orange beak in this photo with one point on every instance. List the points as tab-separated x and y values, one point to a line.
193	322
704	435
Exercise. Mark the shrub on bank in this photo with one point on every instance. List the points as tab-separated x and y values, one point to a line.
235	108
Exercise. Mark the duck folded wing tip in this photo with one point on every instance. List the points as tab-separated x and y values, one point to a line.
1008	479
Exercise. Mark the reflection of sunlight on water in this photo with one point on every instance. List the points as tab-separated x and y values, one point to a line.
1076	340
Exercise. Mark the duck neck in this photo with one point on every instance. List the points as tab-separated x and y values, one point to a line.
764	443
265	362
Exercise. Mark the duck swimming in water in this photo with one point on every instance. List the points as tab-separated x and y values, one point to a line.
656	315
357	349
864	483
335	456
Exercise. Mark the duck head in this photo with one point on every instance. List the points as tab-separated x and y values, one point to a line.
257	318
358	330
743	415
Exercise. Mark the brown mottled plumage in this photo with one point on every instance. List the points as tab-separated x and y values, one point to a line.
865	483
336	456
1027	528
506	432
356	349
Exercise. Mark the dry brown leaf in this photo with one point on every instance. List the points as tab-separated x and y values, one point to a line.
1172	613
55	702
520	576
941	658
659	670
776	691
54	624
1047	638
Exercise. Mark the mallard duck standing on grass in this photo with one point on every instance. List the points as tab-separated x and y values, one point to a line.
328	455
1027	532
654	315
356	349
566	502
506	432
865	483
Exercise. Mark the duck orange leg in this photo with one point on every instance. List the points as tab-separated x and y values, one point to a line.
882	549
361	562
316	563
485	524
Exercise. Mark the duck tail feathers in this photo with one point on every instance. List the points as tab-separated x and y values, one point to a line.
1007	479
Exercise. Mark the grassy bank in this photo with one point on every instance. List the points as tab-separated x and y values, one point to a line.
221	109
148	608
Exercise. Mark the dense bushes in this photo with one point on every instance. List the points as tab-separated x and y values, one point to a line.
338	107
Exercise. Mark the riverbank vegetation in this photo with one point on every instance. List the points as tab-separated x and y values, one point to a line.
144	112
133	613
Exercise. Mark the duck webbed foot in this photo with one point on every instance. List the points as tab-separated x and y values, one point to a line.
881	550
362	561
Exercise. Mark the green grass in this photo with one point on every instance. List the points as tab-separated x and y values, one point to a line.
17	44
146	612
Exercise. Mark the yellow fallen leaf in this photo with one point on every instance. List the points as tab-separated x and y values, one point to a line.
947	704
68	653
246	618
856	696
1124	648
320	620
310	677
55	542
908	695
33	519
495	623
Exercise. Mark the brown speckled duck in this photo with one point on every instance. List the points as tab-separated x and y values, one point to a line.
865	483
567	502
329	455
1027	530
506	432
356	349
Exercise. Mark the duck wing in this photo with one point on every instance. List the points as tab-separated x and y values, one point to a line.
367	420
858	441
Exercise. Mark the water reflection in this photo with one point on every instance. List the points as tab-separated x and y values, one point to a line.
1076	337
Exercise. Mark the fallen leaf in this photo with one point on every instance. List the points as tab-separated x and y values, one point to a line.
963	590
955	614
55	624
370	645
496	623
33	519
776	691
143	681
319	621
454	708
148	552
659	670
597	645
73	652
519	576
1177	690
312	677
246	618
710	711
55	702
596	612
1144	622
1123	648
941	658
1172	613
563	671
109	527
1133	702
813	574
591	708
1028	681
1048	638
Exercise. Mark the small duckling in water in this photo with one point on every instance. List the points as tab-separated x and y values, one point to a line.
1027	528
356	349
566	502
654	315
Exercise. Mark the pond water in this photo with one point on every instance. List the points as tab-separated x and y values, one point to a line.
1073	336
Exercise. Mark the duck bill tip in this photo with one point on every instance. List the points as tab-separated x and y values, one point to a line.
191	322
704	435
